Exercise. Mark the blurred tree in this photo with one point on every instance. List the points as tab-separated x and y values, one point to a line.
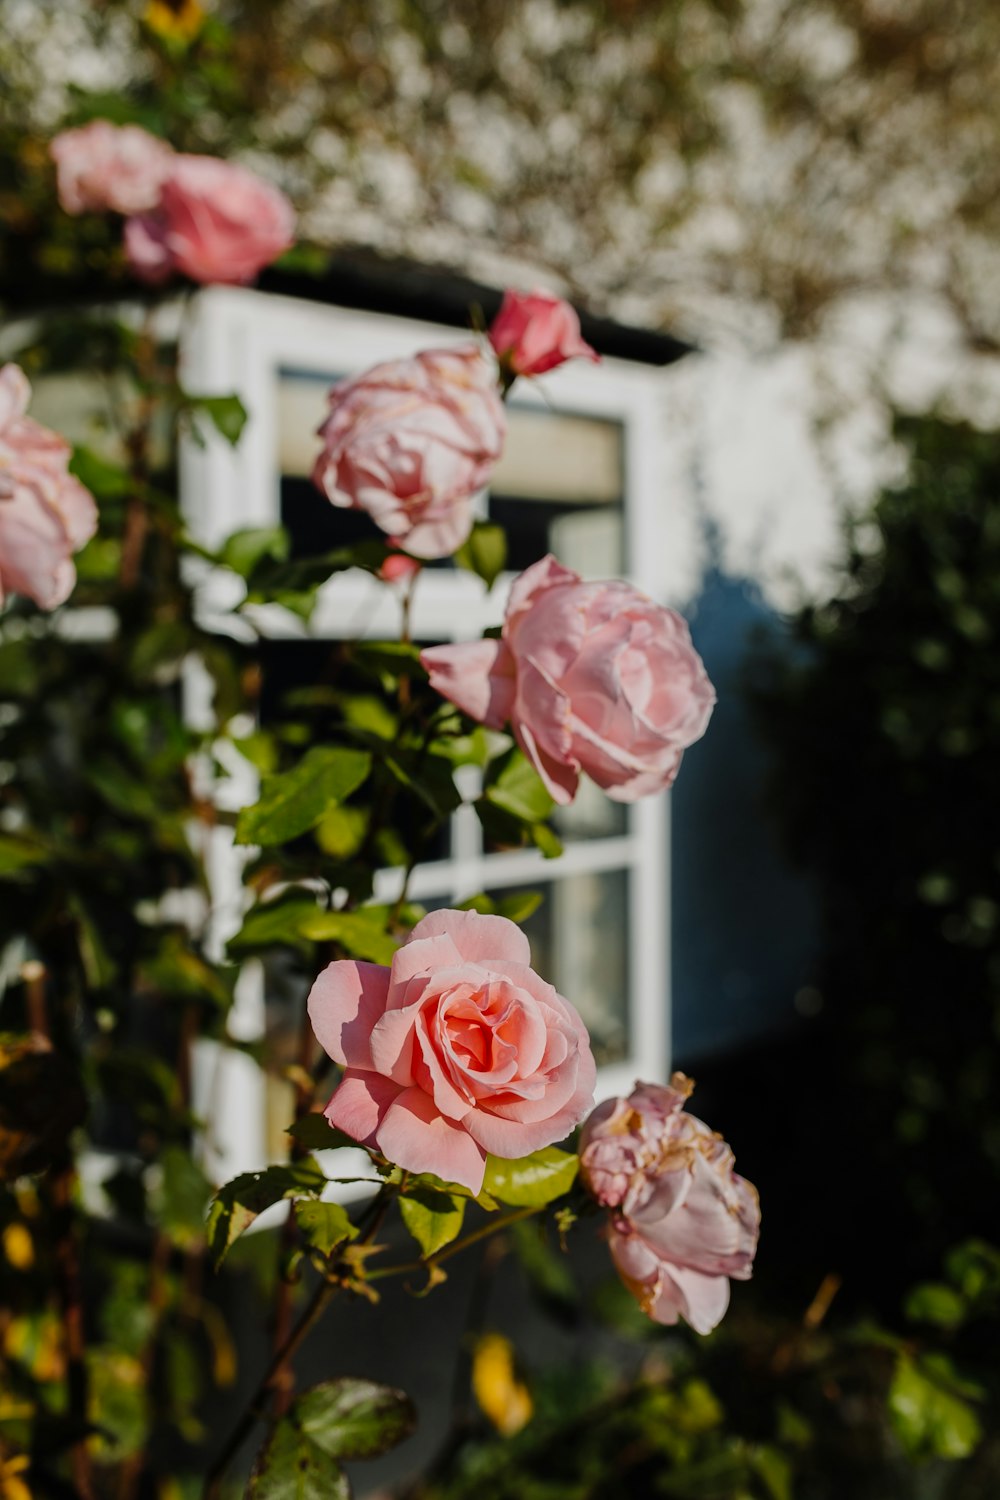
887	781
719	166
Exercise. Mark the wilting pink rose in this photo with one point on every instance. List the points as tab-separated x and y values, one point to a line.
45	514
101	166
682	1222
411	442
534	332
458	1049
593	677
213	221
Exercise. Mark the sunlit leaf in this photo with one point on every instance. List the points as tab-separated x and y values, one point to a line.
236	1205
292	802
291	1467
532	1181
324	1225
930	1409
433	1217
354	1418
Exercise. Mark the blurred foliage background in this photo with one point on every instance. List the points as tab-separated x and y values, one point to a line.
736	171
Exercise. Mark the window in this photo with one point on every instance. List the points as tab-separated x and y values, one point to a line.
579	478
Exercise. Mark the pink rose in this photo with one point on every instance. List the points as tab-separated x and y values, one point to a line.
456	1050
411	442
101	166
534	332
593	677
682	1221
45	514
213	221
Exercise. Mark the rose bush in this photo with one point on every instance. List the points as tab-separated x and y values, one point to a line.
534	332
45	513
213	221
411	442
682	1221
455	1050
101	167
593	677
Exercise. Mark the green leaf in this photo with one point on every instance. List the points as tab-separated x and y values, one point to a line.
360	935
244	549
342	831
294	801
315	1133
106	481
18	853
291	1467
775	1469
179	1204
324	1225
516	787
929	1410
546	840
236	1205
933	1302
533	1180
227	414
485	552
974	1267
299	920
434	1218
354	1418
517	907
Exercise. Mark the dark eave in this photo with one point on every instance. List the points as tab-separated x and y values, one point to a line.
408	289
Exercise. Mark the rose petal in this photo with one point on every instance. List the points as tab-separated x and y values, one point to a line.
344	1004
359	1103
477	937
417	1137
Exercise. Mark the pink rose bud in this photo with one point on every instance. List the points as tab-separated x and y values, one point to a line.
456	1050
534	333
593	677
411	442
45	514
101	166
682	1223
398	568
213	221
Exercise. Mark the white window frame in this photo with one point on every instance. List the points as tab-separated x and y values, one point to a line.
238	341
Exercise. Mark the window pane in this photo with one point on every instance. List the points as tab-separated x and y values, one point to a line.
591	815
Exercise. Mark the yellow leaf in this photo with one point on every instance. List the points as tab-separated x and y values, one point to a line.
18	1247
503	1398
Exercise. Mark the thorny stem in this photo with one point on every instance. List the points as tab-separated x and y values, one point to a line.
493	1226
256	1407
283	1384
69	1294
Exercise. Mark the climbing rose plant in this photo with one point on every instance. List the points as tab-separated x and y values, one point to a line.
429	1042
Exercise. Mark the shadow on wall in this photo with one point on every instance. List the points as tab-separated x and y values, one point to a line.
744	922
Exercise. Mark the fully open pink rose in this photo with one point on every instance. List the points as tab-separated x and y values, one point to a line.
213	221
458	1049
592	676
534	332
682	1221
411	442
45	514
101	166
